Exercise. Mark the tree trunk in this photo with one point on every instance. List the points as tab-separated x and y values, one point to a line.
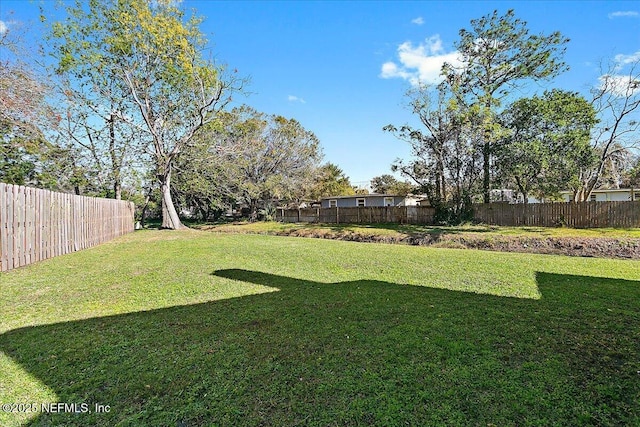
585	190
117	189
525	204
143	214
487	146
115	165
253	215
439	165
525	195
486	166
170	217
440	178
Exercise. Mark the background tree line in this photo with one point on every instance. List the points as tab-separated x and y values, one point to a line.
474	135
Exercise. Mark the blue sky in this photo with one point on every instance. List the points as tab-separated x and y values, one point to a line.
323	63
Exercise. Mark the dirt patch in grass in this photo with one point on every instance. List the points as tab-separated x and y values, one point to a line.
605	247
572	246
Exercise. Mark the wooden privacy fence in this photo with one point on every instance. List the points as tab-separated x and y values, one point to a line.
577	215
360	215
39	224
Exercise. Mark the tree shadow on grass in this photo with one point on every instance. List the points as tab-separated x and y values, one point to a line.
351	353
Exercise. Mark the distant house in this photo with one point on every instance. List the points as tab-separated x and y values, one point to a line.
602	195
505	195
364	200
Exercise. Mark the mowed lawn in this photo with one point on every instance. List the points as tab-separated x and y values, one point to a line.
203	329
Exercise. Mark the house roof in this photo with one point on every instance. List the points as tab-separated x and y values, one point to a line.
361	196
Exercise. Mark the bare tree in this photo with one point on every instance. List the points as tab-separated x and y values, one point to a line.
617	103
96	125
24	112
446	150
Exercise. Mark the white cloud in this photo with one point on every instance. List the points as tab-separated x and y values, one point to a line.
421	63
418	21
293	98
3	28
622	59
619	85
390	70
624	14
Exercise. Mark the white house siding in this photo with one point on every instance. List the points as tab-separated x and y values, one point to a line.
619	195
370	200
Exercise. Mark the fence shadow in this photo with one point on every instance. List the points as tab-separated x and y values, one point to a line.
350	353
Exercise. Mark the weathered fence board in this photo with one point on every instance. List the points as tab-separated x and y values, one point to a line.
39	224
576	215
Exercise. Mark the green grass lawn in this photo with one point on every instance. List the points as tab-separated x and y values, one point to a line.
197	329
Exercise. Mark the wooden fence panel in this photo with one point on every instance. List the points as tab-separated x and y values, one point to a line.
307	215
577	215
625	214
39	224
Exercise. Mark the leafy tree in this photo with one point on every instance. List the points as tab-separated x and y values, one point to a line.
278	161
20	154
15	167
388	184
498	54
330	180
547	144
171	92
23	91
248	157
207	175
202	182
